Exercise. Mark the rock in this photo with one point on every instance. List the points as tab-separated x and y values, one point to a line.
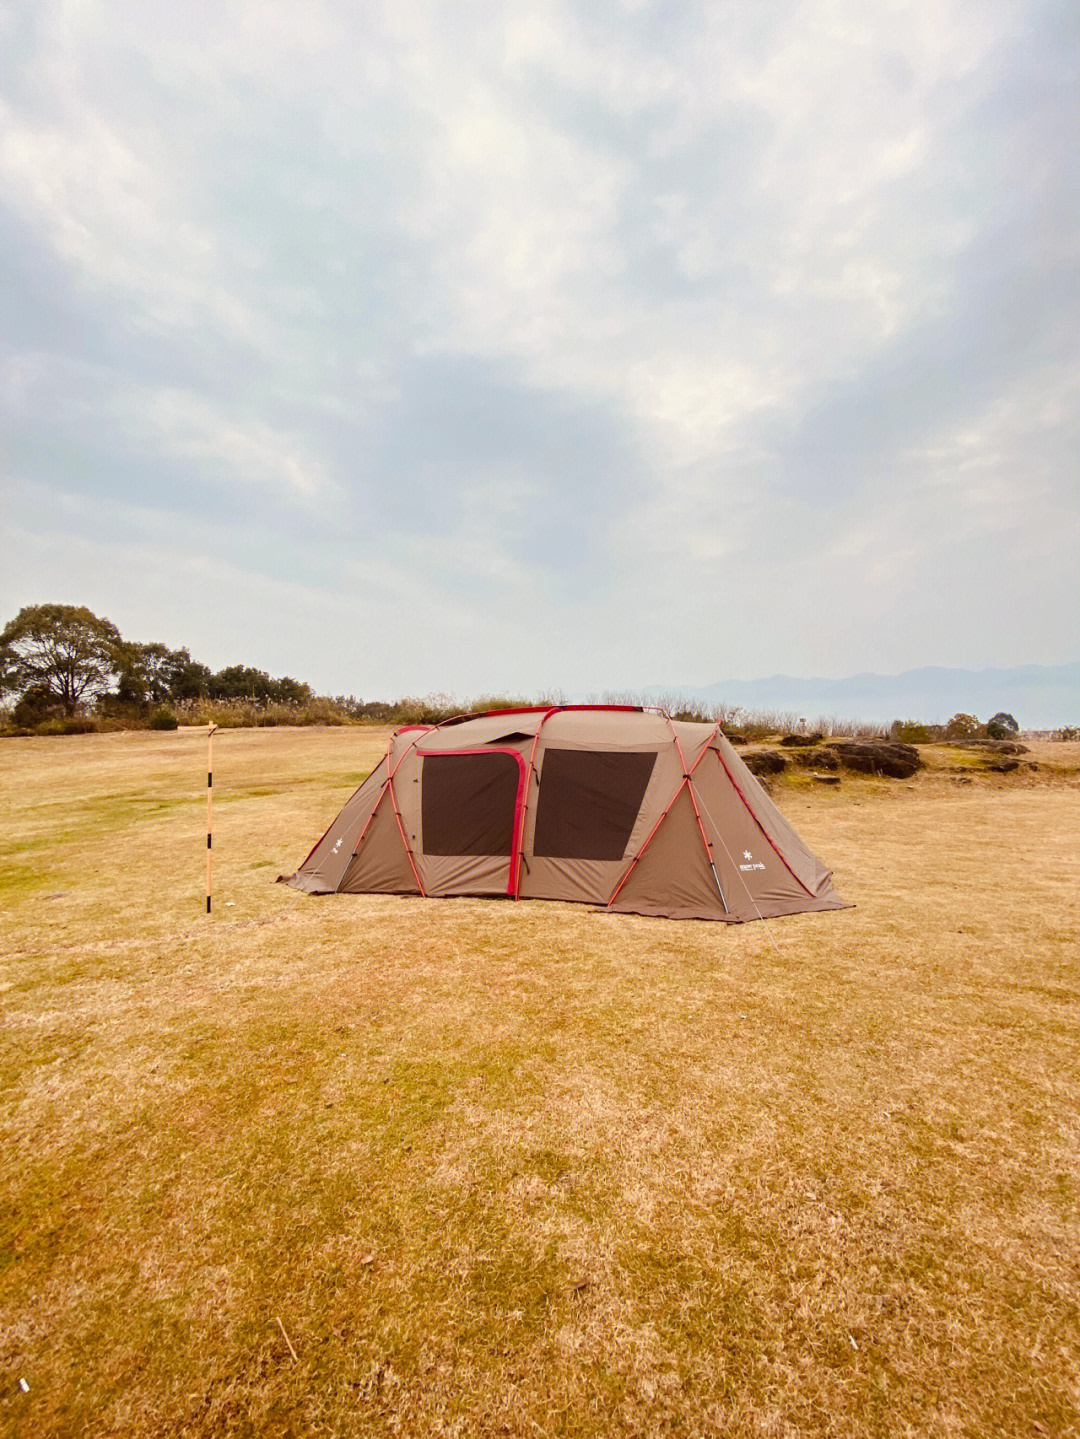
765	762
999	746
816	758
791	740
1004	765
898	761
736	738
826	778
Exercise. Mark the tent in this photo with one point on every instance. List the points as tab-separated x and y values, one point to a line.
611	805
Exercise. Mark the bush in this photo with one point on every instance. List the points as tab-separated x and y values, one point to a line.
68	724
911	732
164	719
35	706
962	726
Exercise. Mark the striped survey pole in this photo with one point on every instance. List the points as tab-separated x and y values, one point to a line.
209	810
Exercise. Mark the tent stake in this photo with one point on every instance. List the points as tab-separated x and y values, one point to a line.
209	811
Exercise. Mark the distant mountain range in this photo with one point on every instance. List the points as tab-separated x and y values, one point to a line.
1040	696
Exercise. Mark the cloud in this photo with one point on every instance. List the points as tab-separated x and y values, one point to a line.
535	332
251	451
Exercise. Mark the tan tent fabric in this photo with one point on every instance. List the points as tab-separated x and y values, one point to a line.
606	805
381	865
673	877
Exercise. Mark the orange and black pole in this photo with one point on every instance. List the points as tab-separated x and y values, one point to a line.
209	811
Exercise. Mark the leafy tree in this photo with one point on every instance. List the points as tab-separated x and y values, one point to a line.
1002	726
188	679
8	678
153	674
242	682
64	651
962	726
292	692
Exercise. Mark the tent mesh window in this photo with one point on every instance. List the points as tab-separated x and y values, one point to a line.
468	803
588	802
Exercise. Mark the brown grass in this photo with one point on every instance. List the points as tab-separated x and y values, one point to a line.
496	1169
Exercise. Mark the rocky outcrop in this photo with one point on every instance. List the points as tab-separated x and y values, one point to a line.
816	759
898	761
793	741
765	762
998	746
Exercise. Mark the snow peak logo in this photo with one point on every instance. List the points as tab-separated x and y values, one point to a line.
752	863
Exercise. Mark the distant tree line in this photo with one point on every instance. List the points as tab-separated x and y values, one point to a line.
961	727
64	669
63	660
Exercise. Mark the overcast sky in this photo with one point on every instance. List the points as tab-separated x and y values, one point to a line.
413	347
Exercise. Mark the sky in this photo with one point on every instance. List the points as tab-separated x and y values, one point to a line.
414	347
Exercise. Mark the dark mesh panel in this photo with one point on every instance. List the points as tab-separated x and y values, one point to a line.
588	802
468	802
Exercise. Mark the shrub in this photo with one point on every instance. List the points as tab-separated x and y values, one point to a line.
68	724
911	732
35	706
962	726
164	719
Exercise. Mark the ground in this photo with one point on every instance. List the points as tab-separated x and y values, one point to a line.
371	1165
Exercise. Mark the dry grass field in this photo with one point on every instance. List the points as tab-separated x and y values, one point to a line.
368	1165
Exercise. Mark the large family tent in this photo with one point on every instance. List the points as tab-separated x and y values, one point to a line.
604	804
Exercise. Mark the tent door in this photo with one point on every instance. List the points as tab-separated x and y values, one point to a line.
470	818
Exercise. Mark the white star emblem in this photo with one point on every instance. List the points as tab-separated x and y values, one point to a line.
746	854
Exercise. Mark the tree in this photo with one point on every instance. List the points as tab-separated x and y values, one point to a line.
188	679
64	651
243	682
153	674
962	726
1002	726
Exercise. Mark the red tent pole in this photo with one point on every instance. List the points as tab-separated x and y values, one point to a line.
516	861
693	801
764	831
404	841
390	773
684	781
555	709
388	785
